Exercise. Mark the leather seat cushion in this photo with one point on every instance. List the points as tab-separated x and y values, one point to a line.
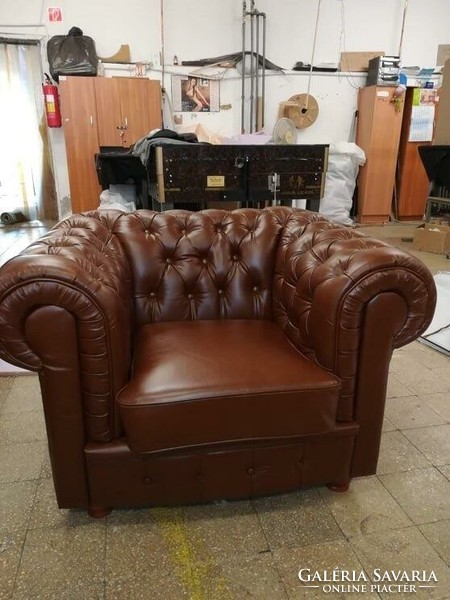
206	382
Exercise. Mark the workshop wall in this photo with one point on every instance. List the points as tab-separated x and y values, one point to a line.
197	29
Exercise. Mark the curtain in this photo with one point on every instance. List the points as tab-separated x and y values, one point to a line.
26	175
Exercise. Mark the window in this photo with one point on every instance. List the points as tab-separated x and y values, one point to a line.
26	178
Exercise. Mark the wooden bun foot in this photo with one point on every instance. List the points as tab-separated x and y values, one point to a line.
99	512
339	488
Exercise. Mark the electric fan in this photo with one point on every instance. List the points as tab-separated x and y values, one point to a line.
284	132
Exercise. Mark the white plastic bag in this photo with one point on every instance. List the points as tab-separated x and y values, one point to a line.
119	197
344	160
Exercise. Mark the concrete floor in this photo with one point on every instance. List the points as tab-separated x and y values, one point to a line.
398	519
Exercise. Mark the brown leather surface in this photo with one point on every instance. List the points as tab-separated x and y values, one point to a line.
323	282
343	300
61	395
80	267
221	381
200	265
122	478
385	315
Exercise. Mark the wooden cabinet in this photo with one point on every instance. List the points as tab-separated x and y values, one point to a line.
378	134
412	180
127	109
103	111
81	137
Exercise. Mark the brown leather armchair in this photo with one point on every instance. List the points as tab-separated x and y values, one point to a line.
185	357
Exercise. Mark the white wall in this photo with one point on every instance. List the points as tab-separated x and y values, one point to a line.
203	28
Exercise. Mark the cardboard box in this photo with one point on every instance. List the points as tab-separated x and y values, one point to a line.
443	54
442	129
357	61
432	238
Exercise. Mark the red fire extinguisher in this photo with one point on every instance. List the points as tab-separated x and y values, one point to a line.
51	100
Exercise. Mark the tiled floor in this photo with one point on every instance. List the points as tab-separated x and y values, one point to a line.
399	519
14	238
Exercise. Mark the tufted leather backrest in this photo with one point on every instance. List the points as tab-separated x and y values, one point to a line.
212	264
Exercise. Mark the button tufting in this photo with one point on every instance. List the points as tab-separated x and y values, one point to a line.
256	288
147	480
204	261
251	471
152	294
183	232
220	292
235	257
190	296
168	261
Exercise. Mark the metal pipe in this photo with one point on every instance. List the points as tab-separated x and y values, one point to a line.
244	16
252	83
263	74
163	46
257	73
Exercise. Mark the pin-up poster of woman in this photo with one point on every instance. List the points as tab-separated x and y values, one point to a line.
195	94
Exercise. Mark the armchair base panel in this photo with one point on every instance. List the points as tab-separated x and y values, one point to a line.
120	478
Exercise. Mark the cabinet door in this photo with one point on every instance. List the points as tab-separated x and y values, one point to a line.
81	138
110	124
378	134
140	105
412	181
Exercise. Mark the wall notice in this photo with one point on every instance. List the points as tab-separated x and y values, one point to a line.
54	14
422	115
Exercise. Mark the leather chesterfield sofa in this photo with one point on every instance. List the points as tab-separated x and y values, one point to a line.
185	357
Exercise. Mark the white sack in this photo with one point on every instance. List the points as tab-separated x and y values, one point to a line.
344	160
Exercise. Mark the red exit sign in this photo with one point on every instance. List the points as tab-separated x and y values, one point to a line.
54	14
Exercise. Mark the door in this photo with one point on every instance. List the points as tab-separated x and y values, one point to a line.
412	181
140	105
110	125
81	137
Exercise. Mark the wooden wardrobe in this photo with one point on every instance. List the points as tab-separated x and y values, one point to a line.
99	112
378	134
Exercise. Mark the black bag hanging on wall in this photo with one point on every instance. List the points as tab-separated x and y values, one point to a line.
72	54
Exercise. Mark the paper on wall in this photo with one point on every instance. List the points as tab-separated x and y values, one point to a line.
422	115
421	128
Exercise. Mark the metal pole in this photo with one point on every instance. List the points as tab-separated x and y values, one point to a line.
252	82
257	72
163	59
263	74
244	16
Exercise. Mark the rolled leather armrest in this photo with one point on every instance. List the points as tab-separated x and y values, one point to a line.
73	283
339	293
